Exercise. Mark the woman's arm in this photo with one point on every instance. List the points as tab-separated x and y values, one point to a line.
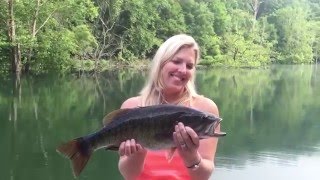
196	151
207	151
132	155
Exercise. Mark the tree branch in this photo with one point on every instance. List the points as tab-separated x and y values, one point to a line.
45	21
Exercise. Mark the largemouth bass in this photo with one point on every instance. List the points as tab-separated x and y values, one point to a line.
150	126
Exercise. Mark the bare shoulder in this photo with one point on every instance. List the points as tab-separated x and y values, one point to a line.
205	104
131	102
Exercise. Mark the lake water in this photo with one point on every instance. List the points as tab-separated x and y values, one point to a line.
271	115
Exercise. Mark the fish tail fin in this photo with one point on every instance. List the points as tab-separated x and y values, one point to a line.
78	151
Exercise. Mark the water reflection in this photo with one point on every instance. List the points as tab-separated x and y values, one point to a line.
271	116
281	166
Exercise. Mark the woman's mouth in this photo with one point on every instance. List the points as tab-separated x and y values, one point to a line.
180	78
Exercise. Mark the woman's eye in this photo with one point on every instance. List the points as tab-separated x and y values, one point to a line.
176	62
189	66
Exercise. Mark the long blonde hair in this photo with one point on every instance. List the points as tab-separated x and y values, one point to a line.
151	94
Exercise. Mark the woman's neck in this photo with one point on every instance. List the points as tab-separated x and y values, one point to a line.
172	98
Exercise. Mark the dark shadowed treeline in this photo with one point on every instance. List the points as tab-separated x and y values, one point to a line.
45	35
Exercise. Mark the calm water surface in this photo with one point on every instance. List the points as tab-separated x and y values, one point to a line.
271	117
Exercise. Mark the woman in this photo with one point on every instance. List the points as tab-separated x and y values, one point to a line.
171	81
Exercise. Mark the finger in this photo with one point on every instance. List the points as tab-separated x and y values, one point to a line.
122	149
133	147
176	141
139	148
179	137
183	132
193	135
127	148
185	135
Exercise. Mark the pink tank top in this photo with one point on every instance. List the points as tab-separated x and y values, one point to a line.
157	167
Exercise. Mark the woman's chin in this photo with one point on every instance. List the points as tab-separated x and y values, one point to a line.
175	88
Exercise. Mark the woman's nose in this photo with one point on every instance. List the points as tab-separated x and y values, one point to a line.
183	68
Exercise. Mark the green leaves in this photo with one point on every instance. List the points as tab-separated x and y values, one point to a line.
51	34
295	40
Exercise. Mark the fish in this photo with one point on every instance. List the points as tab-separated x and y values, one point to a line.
150	126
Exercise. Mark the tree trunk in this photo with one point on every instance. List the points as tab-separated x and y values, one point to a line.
15	55
255	5
235	54
33	30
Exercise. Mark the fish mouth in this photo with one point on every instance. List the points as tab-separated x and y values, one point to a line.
211	130
219	134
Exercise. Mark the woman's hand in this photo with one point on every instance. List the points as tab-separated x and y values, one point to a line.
187	142
132	157
130	147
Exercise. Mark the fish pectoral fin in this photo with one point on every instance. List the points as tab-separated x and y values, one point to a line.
111	116
112	148
170	153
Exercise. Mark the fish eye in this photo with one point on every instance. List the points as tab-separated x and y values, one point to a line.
204	116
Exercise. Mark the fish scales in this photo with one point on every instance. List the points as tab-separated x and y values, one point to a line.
153	122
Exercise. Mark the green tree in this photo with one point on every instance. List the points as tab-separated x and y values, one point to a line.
171	19
199	20
139	18
108	28
294	38
315	27
222	19
32	22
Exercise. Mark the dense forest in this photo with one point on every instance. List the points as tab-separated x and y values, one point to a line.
45	35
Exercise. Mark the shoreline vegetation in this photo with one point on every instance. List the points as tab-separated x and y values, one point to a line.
86	35
108	65
137	65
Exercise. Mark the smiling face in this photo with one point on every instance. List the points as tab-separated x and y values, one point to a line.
177	72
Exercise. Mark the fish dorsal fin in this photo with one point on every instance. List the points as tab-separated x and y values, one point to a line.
111	116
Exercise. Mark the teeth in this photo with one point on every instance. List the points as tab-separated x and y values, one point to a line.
181	78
